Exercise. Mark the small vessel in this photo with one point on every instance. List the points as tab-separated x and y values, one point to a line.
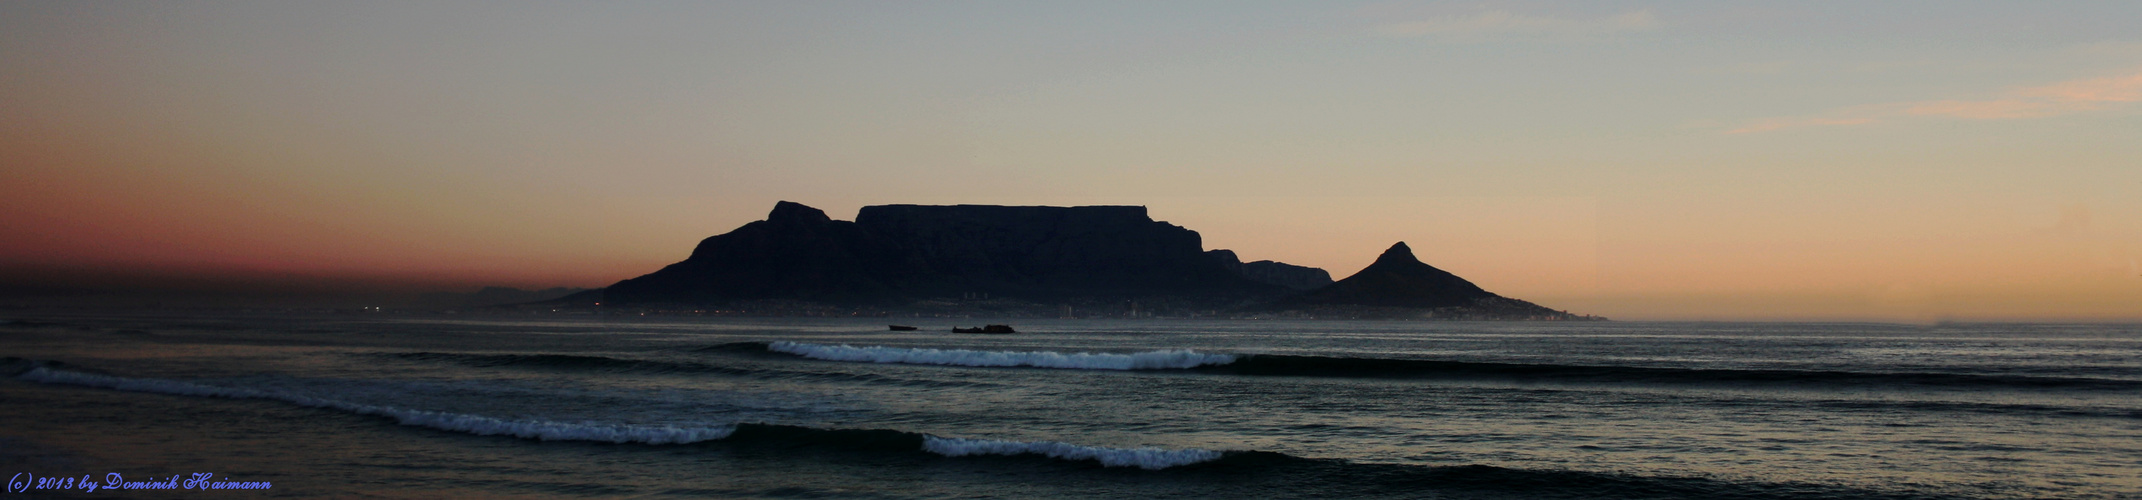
985	329
901	328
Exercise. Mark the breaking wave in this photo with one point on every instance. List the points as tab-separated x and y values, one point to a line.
1276	365
1319	366
745	433
1246	473
1149	360
542	430
1143	458
567	362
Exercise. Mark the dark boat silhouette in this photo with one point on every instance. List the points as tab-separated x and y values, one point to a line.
985	329
901	328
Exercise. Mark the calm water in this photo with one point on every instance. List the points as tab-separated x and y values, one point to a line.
356	405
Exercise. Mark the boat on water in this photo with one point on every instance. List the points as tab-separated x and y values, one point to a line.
901	328
986	329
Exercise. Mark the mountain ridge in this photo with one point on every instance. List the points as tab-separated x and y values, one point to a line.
1028	261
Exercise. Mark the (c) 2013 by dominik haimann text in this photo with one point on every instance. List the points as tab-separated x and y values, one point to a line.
27	481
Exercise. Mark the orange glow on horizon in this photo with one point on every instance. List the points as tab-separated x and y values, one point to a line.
1683	162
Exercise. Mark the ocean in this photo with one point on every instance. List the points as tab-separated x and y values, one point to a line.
165	405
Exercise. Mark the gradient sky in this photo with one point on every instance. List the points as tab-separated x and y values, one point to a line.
1904	161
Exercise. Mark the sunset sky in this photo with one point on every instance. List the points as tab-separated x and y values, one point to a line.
1899	161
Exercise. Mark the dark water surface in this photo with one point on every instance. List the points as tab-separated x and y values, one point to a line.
357	405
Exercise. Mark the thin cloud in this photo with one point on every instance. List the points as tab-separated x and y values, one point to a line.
2109	89
1502	24
2063	98
1991	110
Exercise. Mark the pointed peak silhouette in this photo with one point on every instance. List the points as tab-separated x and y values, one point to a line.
1399	253
1398	279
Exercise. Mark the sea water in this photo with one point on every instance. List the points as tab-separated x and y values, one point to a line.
560	406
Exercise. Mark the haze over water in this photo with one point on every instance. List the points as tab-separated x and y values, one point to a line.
787	408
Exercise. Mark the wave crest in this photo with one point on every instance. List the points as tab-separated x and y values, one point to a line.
543	430
473	424
1319	366
1143	458
1149	360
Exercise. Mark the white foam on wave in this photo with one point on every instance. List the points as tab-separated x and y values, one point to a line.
1149	360
1143	458
472	424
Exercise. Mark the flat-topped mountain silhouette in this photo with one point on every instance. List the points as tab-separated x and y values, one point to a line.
1025	260
893	254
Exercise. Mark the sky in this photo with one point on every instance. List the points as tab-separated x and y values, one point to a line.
1893	161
